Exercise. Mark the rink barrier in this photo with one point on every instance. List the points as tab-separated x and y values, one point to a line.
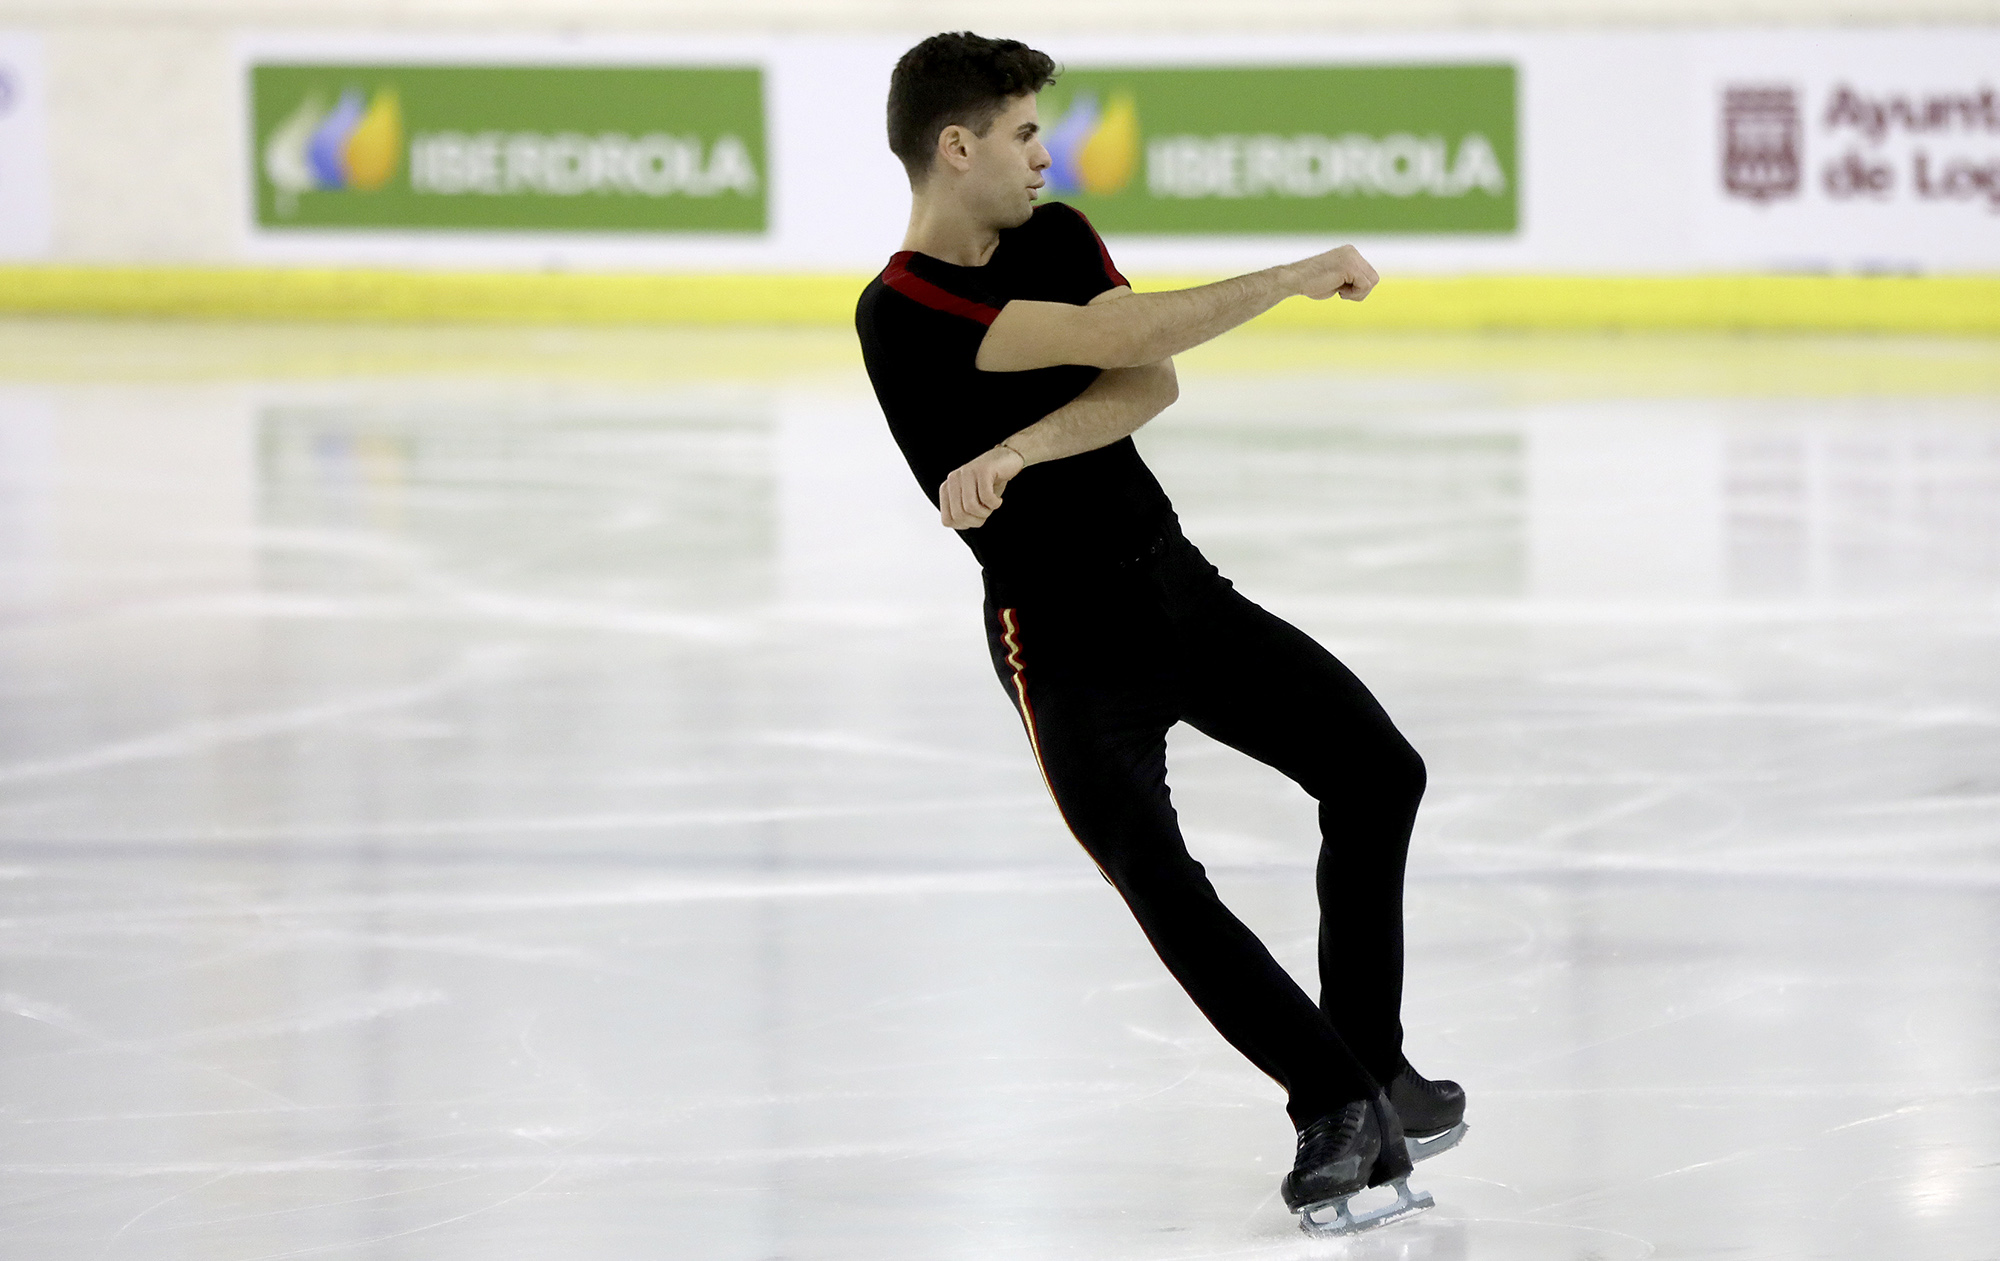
1881	304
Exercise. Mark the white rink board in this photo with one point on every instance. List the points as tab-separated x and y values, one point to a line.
1622	168
1900	164
24	158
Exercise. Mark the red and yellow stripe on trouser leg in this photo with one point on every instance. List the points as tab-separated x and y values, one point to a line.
1010	623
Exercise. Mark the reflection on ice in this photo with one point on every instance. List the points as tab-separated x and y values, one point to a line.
506	809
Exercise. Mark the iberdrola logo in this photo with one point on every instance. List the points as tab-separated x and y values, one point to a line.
350	145
1095	150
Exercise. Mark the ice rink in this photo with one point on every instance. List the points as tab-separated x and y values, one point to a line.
491	795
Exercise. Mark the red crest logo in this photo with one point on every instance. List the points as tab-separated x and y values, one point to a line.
1761	142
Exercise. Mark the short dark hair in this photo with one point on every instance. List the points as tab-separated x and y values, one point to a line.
956	79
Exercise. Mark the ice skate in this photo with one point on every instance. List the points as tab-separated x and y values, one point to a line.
1341	1156
1432	1113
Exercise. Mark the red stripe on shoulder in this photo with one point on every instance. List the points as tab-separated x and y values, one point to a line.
900	278
1111	271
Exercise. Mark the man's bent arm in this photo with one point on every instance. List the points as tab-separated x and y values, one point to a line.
1110	408
1113	407
1148	327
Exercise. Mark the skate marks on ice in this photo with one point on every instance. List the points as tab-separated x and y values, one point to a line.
1437	1234
720	911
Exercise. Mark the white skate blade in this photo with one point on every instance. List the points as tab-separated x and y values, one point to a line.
1425	1148
1336	1217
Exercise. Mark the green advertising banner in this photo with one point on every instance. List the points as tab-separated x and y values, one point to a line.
552	148
1363	148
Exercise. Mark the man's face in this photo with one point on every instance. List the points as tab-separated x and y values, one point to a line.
1007	164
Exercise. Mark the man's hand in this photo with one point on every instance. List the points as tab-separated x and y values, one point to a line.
972	492
1337	273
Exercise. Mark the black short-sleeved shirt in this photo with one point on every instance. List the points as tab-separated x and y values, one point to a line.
921	322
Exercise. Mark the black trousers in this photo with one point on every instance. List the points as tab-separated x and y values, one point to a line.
1099	670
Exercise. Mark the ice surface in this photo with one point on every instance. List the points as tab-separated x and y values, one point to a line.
548	798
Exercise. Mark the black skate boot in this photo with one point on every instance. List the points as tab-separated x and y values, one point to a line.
1432	1112
1342	1155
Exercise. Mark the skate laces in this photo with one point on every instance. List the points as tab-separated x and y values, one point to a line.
1334	1131
1416	1083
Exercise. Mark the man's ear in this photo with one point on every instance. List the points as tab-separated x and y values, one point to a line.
955	148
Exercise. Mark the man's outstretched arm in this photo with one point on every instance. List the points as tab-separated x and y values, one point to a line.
1149	327
1111	407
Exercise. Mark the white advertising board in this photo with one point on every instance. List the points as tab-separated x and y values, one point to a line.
1638	152
25	223
813	158
1853	153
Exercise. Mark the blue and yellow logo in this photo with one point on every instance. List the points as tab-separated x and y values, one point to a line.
352	145
1095	149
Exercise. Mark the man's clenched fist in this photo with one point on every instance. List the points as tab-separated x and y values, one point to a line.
1340	273
972	492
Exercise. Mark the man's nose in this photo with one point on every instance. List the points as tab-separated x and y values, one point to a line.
1040	159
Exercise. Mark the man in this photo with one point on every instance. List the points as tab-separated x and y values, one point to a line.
1013	362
